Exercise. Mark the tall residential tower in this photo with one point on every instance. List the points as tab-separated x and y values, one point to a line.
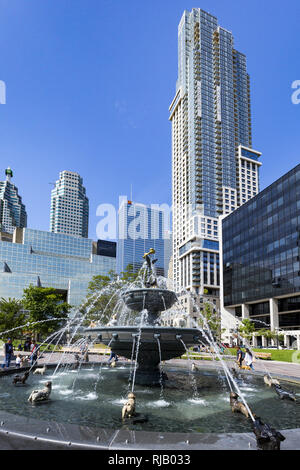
214	168
69	206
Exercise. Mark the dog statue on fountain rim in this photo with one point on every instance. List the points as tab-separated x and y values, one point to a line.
21	379
128	410
267	437
113	363
269	381
237	406
40	370
41	395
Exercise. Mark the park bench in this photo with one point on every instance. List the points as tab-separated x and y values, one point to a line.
263	355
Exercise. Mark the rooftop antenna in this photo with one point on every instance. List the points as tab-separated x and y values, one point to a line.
131	192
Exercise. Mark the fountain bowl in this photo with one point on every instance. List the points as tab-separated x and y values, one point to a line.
153	300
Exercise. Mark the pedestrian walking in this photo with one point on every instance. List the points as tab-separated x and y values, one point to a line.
249	359
8	353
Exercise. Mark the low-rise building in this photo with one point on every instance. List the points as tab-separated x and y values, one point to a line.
64	262
260	260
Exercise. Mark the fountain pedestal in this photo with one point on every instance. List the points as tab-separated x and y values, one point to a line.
149	343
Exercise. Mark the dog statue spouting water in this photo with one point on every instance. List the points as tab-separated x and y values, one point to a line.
41	395
40	370
237	406
270	382
128	410
267	438
285	394
21	379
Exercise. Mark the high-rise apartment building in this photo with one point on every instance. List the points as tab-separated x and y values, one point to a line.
12	211
140	228
214	168
69	206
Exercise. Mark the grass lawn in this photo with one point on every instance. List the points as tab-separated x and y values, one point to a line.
284	355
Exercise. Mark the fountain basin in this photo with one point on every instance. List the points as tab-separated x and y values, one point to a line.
177	411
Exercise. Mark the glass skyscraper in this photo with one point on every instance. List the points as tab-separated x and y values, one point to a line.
261	258
12	211
69	206
140	228
64	262
214	168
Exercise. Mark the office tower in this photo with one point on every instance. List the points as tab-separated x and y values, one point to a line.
69	206
260	261
140	228
214	168
44	259
12	211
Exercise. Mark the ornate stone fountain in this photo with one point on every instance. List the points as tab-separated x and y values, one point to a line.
147	343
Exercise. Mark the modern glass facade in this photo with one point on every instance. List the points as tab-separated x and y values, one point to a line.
140	228
261	242
47	259
12	211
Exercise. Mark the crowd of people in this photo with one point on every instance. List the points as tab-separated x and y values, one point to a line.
8	352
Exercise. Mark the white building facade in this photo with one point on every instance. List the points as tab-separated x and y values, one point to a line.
69	206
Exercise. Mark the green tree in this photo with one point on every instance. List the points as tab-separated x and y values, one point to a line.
102	297
43	304
11	316
247	329
213	320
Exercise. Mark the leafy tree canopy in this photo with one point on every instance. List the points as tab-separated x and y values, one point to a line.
102	298
43	304
11	317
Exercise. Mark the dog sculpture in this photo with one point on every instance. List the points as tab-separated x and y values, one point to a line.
86	356
41	395
128	410
269	381
267	438
284	394
237	406
24	361
40	370
21	379
76	364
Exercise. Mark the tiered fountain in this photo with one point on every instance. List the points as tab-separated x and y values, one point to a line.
148	343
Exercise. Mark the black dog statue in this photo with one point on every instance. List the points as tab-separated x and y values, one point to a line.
267	438
21	379
284	394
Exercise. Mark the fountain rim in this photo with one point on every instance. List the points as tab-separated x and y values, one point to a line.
122	439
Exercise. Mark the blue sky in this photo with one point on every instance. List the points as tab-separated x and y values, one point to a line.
89	84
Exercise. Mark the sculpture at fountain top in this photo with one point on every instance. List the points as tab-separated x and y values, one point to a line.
150	279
